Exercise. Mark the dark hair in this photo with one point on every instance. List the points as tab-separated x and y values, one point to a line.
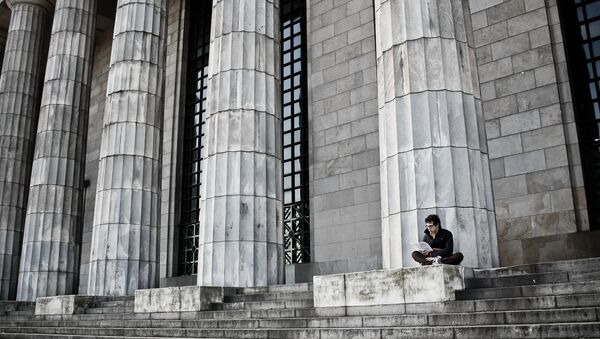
434	219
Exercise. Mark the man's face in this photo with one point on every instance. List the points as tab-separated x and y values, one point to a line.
433	228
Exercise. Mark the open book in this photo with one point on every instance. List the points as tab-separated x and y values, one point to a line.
423	246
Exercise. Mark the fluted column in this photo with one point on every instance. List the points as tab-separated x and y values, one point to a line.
240	210
432	140
124	255
50	250
19	106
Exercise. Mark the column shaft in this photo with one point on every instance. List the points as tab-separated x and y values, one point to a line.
50	250
124	254
241	206
432	139
19	105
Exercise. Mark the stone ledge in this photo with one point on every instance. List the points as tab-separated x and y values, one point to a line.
62	304
177	299
392	286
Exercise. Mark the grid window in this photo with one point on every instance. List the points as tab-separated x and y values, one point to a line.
295	132
197	79
581	28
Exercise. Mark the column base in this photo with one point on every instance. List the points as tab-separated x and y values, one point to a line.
177	299
391	286
62	304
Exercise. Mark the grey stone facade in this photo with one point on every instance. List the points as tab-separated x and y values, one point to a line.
461	108
534	156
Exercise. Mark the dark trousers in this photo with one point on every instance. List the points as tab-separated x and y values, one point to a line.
453	259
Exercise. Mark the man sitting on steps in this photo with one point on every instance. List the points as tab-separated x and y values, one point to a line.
440	241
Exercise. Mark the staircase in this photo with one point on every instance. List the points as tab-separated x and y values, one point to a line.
549	300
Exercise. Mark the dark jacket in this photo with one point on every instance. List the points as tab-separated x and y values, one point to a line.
443	241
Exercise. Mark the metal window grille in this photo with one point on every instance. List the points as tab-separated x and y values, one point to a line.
580	21
197	79
295	132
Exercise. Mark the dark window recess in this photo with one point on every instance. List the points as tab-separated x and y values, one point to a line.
296	212
581	31
197	78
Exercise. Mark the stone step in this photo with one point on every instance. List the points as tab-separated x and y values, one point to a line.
461	306
518	280
533	279
556	266
60	336
288	288
269	296
529	291
21	313
109	310
114	303
584	275
558	330
264	305
570	315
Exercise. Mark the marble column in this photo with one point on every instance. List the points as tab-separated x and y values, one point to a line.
49	259
20	84
241	207
124	249
433	151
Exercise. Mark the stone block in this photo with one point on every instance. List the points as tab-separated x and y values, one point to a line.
177	299
389	287
432	283
549	180
515	83
514	229
545	75
504	146
527	22
511	46
500	107
479	20
510	186
556	156
543	138
532	59
539	37
524	163
480	5
483	54
539	97
505	10
521	122
490	34
495	70
329	290
62	304
381	287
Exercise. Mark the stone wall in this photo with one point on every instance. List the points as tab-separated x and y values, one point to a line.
529	123
344	146
96	119
172	136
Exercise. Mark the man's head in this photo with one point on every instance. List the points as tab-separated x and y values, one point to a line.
433	223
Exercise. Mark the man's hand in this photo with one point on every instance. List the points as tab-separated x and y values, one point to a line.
430	259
